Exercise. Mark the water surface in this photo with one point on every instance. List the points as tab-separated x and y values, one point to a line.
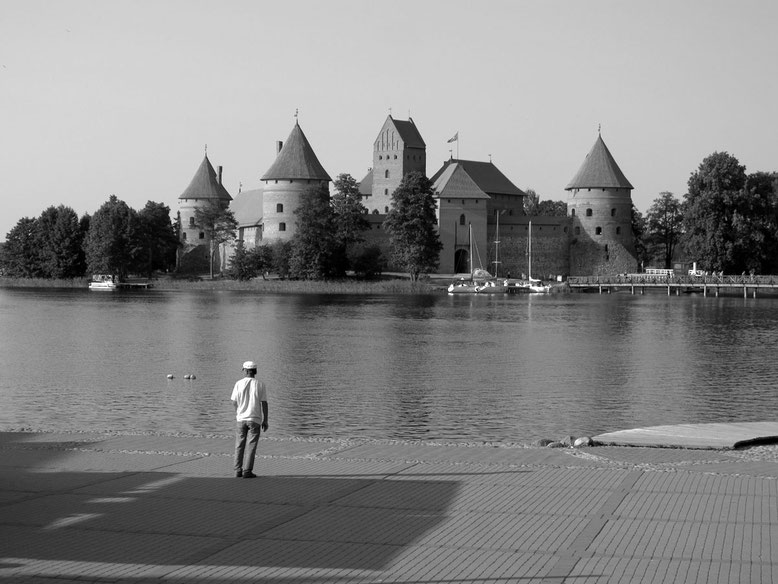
433	367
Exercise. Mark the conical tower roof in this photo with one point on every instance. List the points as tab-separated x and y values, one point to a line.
297	160
599	171
205	184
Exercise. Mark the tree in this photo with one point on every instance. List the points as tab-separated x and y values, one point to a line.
316	250
552	208
367	261
534	207
762	188
729	224
350	222
664	222
60	243
219	225
246	264
411	223
281	252
20	257
638	233
109	244
158	241
531	202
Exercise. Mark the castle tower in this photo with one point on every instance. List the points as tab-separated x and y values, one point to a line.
206	186
398	150
471	192
462	223
295	170
599	204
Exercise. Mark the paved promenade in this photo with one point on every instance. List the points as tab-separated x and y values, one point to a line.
142	509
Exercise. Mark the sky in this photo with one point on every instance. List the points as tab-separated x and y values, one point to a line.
121	97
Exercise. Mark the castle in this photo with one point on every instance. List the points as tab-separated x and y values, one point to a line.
480	212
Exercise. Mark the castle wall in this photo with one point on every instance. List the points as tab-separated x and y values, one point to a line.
251	236
589	257
550	247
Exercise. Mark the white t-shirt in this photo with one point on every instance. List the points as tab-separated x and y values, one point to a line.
249	394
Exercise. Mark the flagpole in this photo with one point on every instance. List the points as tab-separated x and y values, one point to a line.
455	138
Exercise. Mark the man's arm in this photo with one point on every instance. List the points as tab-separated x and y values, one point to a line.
264	416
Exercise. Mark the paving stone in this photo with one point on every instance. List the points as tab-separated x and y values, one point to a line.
142	509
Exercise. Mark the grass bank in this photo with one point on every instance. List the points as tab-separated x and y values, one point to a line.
271	286
274	286
42	283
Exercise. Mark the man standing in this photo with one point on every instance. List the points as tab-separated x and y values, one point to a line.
249	397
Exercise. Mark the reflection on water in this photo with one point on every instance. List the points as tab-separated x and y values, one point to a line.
453	368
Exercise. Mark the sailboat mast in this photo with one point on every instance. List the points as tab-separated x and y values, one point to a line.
529	255
470	246
497	247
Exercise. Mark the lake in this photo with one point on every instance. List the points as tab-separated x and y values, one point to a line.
433	367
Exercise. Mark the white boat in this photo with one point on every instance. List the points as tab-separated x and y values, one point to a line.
535	286
104	282
463	286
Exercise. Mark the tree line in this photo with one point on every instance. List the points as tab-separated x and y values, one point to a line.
116	239
727	221
327	243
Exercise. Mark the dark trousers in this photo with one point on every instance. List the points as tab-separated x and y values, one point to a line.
242	431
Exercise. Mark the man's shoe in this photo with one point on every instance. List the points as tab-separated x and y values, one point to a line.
249	475
238	473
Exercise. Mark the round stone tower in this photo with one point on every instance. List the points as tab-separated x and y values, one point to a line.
599	204
205	188
295	170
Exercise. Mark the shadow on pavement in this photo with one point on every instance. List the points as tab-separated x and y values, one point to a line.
155	518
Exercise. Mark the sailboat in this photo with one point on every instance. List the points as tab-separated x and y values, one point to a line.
481	281
533	285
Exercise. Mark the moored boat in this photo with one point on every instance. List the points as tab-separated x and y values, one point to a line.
491	286
104	282
533	285
480	281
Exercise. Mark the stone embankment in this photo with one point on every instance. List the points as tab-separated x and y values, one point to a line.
566	442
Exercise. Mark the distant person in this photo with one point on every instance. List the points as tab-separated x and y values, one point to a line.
249	397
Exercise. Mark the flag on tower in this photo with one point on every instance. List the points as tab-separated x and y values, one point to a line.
454	138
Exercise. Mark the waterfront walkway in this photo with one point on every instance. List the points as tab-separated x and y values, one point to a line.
142	509
678	284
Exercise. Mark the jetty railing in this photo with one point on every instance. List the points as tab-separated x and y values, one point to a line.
676	283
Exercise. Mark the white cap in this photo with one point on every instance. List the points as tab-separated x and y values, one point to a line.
249	365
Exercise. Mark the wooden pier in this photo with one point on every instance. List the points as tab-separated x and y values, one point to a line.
674	284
